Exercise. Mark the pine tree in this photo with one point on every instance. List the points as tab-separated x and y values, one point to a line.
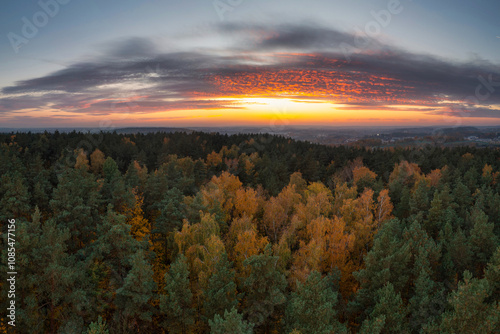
176	304
419	200
220	294
436	215
482	240
264	287
15	196
462	197
110	260
75	205
200	172
427	303
232	322
373	326
311	308
470	179
42	186
134	298
31	315
98	327
136	176
459	251
471	313
172	210
114	190
389	307
388	261
492	208
403	208
57	297
492	273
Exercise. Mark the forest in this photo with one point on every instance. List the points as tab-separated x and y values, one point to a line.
250	233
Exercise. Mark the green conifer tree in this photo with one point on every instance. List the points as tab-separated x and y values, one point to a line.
311	308
482	240
391	309
176	304
134	298
232	322
427	303
264	287
471	313
220	294
98	327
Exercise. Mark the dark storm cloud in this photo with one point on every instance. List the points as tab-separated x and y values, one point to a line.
83	76
132	47
309	37
72	79
317	68
304	37
466	111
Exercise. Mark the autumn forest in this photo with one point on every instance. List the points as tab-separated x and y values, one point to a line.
210	233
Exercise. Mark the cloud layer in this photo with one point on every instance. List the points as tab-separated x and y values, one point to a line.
292	61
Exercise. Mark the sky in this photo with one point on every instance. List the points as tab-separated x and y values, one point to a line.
192	63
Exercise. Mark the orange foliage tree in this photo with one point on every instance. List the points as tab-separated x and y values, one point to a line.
278	211
221	190
244	241
328	247
140	227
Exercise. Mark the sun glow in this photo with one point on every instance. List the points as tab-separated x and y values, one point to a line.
276	111
267	108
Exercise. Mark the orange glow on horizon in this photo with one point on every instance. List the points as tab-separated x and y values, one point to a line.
270	112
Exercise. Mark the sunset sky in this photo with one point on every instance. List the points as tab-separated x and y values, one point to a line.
104	63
